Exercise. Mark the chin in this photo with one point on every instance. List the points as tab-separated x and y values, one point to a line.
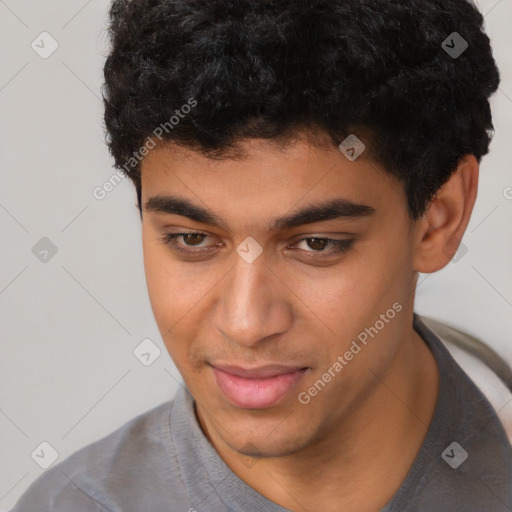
264	445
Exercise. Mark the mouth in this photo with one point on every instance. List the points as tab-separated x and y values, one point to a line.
257	388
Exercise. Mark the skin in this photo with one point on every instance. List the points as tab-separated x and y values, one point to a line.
353	444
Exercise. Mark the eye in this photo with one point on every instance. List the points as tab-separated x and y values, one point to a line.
319	244
192	239
192	244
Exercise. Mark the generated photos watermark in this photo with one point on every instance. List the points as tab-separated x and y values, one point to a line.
101	192
343	360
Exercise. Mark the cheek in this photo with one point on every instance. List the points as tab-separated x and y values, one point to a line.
178	297
157	279
168	302
381	297
366	289
166	292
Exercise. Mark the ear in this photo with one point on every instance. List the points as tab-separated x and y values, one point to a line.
441	228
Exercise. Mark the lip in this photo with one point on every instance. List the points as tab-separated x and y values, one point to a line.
257	388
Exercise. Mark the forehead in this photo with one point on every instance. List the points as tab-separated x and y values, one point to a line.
268	176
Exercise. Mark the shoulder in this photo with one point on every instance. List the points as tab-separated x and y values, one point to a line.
92	478
466	459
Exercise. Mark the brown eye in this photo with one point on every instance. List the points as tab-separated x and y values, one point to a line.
193	238
317	244
185	242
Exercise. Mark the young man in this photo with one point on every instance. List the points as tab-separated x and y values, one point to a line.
297	164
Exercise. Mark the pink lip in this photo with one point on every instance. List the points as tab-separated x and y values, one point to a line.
257	388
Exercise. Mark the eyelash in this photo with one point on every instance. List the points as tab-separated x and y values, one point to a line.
340	246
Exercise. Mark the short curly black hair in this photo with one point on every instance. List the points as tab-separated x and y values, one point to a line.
208	74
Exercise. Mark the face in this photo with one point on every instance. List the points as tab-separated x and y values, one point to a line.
265	271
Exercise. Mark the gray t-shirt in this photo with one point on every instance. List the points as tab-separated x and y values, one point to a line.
161	461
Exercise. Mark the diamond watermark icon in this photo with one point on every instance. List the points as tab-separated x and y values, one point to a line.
249	249
454	455
247	460
455	250
44	250
147	352
351	147
44	455
454	45
44	45
461	252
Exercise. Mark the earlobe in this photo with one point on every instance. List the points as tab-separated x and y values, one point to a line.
440	230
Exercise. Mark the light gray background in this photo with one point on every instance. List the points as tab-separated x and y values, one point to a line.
69	326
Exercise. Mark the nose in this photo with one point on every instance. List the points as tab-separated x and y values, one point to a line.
253	304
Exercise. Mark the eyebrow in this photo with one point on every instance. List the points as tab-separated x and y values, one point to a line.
333	209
